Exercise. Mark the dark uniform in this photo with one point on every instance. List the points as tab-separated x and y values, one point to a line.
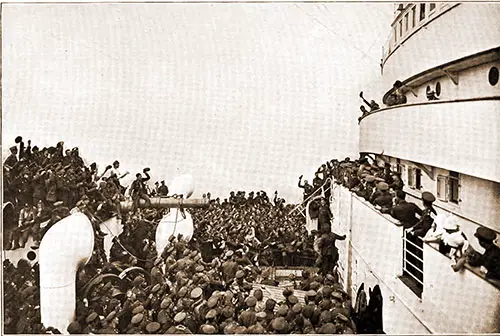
324	219
329	252
11	161
406	213
139	191
308	189
162	189
425	222
490	259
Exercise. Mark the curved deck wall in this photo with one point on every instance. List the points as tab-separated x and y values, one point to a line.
462	136
372	254
440	40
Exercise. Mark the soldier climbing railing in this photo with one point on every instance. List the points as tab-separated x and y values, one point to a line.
301	207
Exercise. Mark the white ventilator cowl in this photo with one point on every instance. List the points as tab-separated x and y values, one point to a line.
66	247
176	222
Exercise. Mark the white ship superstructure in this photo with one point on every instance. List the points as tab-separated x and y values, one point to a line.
445	139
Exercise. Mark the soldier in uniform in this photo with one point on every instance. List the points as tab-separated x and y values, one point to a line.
366	188
490	259
397	182
138	190
324	217
405	212
11	161
27	218
424	224
384	199
308	189
329	253
163	189
317	181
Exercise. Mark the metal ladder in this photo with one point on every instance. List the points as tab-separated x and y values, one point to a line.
301	208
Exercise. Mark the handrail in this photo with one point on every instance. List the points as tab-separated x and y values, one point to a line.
460	100
415	256
310	196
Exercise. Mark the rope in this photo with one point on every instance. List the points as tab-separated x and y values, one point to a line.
130	253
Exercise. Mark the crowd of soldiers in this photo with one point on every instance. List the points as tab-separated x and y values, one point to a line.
46	185
378	184
204	285
268	233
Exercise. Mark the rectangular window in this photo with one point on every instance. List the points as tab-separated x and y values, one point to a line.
413	263
442	186
401	28
411	177
414	178
395	35
422	11
432	7
399	168
448	187
406	22
418	178
413	16
453	187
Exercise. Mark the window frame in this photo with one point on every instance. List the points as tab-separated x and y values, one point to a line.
414	16
442	183
448	182
454	180
422	14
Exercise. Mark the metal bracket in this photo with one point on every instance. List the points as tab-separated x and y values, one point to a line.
453	76
429	171
410	89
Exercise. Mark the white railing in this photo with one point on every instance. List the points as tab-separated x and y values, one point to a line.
415	272
315	193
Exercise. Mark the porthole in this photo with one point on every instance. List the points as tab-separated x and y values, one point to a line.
493	76
438	89
31	255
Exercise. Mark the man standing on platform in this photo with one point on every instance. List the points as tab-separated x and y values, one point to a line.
308	189
139	191
162	189
329	254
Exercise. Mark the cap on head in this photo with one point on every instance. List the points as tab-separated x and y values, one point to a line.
485	234
382	186
152	327
91	317
428	197
369	178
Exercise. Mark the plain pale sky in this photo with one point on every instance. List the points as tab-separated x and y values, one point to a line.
242	96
